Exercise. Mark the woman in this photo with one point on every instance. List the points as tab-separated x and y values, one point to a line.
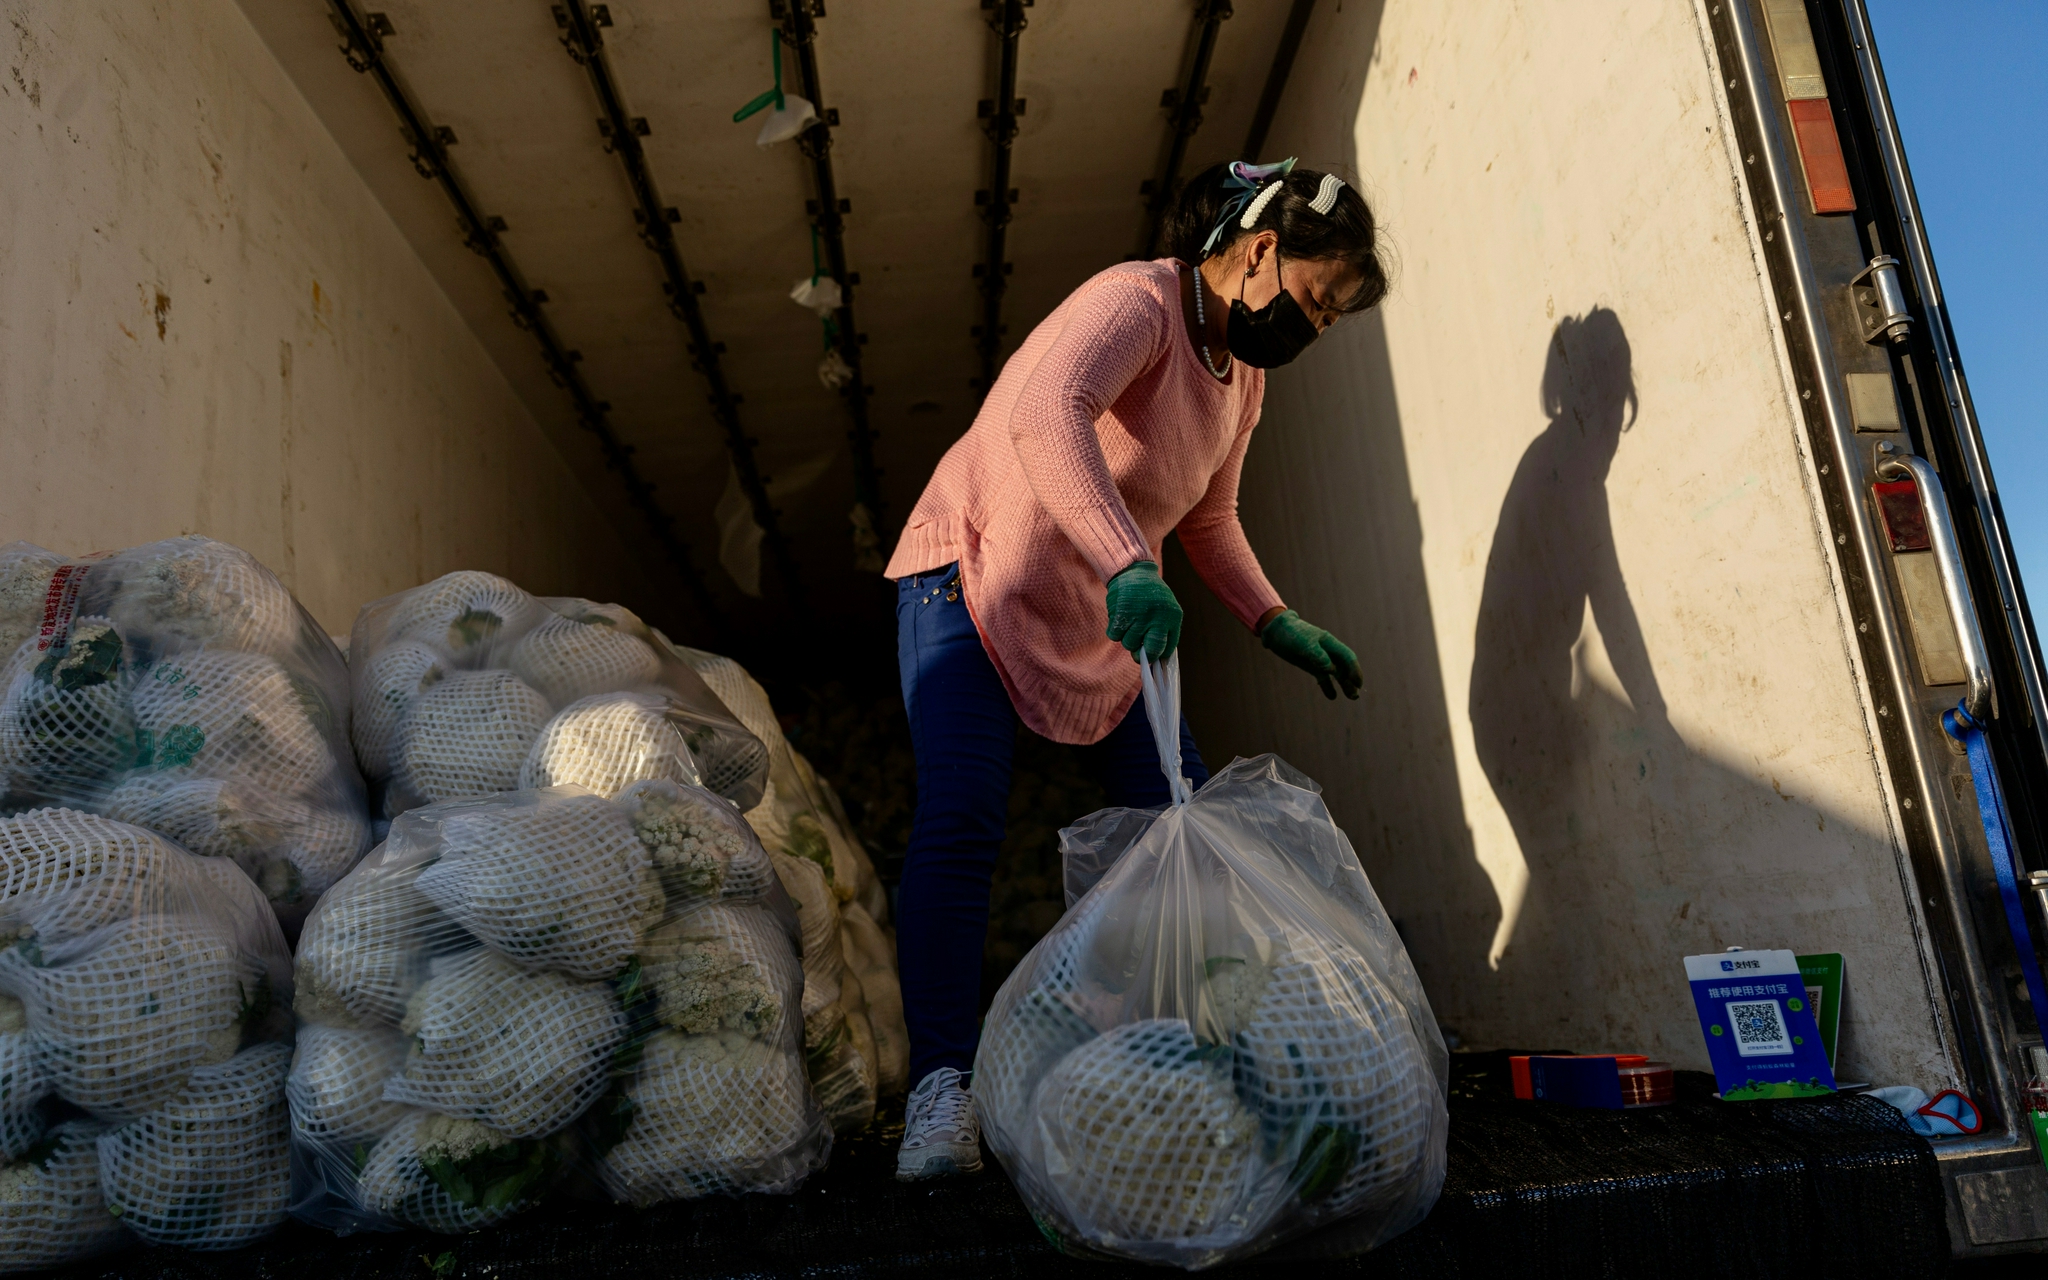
1123	417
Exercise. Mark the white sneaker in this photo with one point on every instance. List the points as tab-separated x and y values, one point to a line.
941	1134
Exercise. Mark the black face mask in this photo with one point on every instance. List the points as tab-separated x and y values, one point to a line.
1274	334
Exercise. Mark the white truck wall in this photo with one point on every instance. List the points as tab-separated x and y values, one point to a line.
207	324
1555	494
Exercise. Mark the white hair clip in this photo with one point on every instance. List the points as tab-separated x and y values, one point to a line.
1326	197
1259	203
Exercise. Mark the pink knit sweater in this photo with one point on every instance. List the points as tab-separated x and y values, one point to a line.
1103	434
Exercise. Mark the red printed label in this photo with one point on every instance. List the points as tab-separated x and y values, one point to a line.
60	602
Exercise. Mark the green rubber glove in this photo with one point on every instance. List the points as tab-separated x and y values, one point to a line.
1315	651
1143	613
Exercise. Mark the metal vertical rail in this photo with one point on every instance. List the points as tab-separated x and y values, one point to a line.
1186	103
364	49
799	31
621	135
1956	390
1006	20
1276	79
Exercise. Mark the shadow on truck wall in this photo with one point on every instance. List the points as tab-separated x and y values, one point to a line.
1621	826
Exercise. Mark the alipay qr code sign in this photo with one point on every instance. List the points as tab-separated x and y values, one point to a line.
1758	1023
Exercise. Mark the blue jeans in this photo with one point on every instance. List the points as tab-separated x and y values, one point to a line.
964	731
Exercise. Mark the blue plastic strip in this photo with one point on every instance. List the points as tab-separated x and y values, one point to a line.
1998	838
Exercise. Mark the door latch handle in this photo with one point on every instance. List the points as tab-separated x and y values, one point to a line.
1955	587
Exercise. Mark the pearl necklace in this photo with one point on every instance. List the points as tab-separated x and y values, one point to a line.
1202	324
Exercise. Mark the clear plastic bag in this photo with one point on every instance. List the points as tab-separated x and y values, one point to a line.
178	686
512	988
468	686
144	1034
1223	1043
857	1045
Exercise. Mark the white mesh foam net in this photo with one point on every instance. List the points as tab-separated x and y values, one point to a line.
211	1168
1328	1045
568	660
51	1212
325	845
66	721
607	741
523	1052
467	613
365	947
563	885
399	1179
24	1080
719	967
20	1130
336	1088
189	592
122	1027
699	845
469	734
224	714
1156	1146
384	693
1019	1048
714	1114
212	817
64	874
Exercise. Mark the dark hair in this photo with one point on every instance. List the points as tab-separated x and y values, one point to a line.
1347	233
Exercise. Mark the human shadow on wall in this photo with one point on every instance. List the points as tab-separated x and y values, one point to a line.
1555	621
1621	825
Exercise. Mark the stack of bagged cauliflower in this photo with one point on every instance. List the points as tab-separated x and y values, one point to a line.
469	686
855	1044
144	1043
179	687
512	985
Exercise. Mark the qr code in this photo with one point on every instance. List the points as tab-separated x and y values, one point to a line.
1759	1028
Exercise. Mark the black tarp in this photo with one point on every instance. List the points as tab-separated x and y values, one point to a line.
1735	1191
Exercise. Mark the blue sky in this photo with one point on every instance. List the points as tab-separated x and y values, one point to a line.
1968	83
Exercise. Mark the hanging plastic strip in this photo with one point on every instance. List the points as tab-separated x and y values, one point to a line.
1998	839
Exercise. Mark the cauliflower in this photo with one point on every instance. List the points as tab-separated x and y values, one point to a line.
562	885
364	949
64	874
521	1051
719	967
193	592
50	1206
607	741
293	850
24	1080
698	848
221	713
66	725
570	659
465	614
591	613
714	1114
1019	1048
1325	1060
1150	1141
453	1175
469	734
385	691
211	1168
337	1081
122	1027
25	573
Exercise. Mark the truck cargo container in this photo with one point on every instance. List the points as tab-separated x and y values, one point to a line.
1653	497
